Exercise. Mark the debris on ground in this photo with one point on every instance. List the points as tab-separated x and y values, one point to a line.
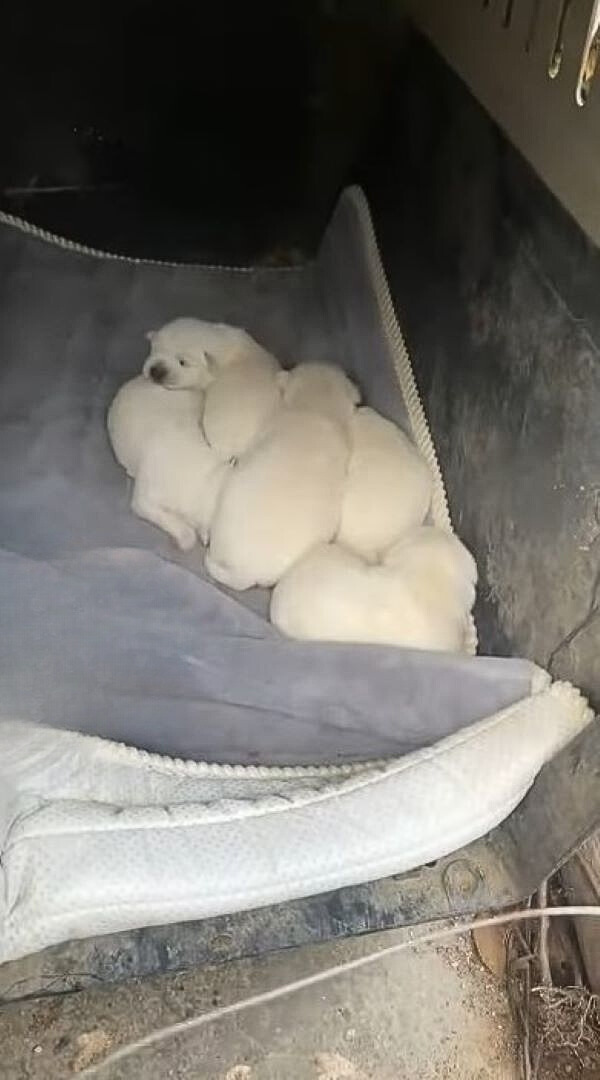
336	1067
565	1033
557	1015
91	1046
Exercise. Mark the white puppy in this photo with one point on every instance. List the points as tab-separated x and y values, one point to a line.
321	389
285	495
388	489
216	345
420	597
240	376
178	370
240	403
178	482
140	410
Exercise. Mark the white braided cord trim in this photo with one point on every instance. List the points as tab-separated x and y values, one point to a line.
207	770
404	373
48	237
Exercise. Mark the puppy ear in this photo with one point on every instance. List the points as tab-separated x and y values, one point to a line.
355	394
150	335
211	363
282	379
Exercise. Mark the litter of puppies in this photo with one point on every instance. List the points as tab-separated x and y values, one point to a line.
290	483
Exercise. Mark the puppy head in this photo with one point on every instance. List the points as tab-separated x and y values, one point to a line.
178	371
194	337
320	388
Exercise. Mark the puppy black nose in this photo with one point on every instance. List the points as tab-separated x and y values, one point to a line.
158	372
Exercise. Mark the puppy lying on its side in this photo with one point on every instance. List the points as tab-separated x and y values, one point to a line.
154	427
142	409
420	596
388	489
154	421
285	495
178	482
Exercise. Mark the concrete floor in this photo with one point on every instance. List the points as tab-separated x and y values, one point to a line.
428	1013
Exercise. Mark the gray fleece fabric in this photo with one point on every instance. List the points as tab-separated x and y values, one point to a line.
104	628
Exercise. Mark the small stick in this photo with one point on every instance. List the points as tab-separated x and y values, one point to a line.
543	958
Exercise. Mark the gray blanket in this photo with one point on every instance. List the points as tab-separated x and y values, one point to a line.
103	627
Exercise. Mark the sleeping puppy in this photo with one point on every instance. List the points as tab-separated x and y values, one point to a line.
285	495
178	482
322	389
186	354
240	403
420	596
142	409
388	489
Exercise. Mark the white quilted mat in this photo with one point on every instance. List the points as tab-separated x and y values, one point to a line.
96	837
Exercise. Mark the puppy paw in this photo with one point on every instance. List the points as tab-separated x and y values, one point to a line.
225	575
186	538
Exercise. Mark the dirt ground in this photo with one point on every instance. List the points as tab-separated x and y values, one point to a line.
424	1014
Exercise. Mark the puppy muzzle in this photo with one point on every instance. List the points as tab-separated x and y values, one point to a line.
158	373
